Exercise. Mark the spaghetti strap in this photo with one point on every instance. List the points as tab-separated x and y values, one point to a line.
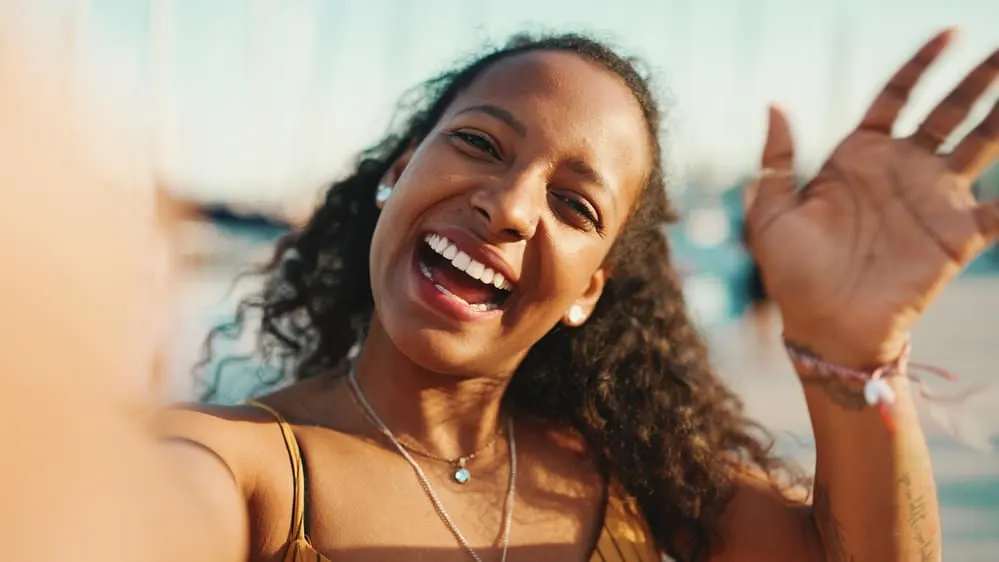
297	531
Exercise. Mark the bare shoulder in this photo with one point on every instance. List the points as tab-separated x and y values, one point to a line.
248	443
766	521
235	435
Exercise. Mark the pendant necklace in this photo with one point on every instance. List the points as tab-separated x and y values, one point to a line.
507	519
459	465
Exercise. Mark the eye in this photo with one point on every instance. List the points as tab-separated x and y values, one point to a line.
478	142
580	210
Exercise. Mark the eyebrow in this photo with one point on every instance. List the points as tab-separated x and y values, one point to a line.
576	165
499	113
588	173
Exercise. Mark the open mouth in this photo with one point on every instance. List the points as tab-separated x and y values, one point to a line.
454	273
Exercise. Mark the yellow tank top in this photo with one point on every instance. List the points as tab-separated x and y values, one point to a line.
623	537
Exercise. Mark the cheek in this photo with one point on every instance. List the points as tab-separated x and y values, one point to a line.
563	273
387	248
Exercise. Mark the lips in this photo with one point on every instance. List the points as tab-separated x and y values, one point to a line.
457	274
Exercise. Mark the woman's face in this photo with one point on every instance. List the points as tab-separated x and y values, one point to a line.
501	219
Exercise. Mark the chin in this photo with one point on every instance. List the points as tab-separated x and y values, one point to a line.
443	351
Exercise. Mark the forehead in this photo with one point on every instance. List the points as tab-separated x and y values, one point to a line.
570	104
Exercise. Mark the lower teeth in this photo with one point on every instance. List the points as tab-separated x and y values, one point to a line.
479	307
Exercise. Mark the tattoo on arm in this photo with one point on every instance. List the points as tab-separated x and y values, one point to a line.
916	515
830	529
841	394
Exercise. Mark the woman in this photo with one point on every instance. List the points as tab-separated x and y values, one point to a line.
494	361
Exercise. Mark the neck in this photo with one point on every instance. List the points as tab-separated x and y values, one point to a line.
448	415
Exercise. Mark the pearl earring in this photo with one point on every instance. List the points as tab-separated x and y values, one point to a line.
576	315
382	195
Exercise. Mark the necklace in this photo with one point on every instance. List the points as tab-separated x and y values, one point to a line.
425	482
460	473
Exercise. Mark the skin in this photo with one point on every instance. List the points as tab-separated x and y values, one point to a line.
905	203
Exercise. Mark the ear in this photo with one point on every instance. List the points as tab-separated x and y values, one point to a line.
399	166
583	306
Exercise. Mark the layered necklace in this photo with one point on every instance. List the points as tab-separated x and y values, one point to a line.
459	465
461	473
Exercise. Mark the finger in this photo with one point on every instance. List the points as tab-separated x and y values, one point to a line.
977	151
775	185
885	109
987	218
954	109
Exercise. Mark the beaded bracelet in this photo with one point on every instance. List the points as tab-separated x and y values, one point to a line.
877	392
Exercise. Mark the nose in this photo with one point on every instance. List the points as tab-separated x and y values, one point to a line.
511	208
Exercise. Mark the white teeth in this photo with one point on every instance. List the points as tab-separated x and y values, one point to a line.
475	270
481	307
463	262
426	271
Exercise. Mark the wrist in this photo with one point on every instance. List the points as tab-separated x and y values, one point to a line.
852	349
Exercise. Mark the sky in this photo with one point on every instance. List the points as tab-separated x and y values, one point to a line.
267	100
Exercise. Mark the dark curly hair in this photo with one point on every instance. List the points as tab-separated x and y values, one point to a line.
634	381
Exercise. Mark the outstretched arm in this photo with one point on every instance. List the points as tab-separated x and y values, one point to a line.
853	259
82	477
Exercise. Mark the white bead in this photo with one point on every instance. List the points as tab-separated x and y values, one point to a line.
878	391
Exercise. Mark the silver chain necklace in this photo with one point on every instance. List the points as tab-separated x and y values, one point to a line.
425	482
459	465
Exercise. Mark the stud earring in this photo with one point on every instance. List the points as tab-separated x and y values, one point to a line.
576	315
382	195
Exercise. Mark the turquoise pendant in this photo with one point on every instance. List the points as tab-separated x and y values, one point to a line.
461	474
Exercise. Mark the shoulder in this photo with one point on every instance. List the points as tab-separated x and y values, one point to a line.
236	435
766	520
248	441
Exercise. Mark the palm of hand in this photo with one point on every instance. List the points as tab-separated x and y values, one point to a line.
856	256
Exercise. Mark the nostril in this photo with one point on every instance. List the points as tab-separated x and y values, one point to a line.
516	234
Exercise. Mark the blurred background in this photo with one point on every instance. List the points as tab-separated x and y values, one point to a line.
247	109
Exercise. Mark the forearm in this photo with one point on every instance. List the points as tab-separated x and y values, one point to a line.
875	498
89	487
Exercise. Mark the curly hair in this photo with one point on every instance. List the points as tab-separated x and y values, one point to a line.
635	381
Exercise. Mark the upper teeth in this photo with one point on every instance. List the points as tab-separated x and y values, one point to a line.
463	262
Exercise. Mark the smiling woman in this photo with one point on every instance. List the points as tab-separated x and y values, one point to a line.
517	271
491	350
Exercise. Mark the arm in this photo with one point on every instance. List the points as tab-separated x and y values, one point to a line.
874	496
92	486
82	477
853	259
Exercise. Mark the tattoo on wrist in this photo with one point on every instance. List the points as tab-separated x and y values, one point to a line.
842	395
841	385
830	529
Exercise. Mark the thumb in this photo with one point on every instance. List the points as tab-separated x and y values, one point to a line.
775	187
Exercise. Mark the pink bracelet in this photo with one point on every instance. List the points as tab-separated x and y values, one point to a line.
877	392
